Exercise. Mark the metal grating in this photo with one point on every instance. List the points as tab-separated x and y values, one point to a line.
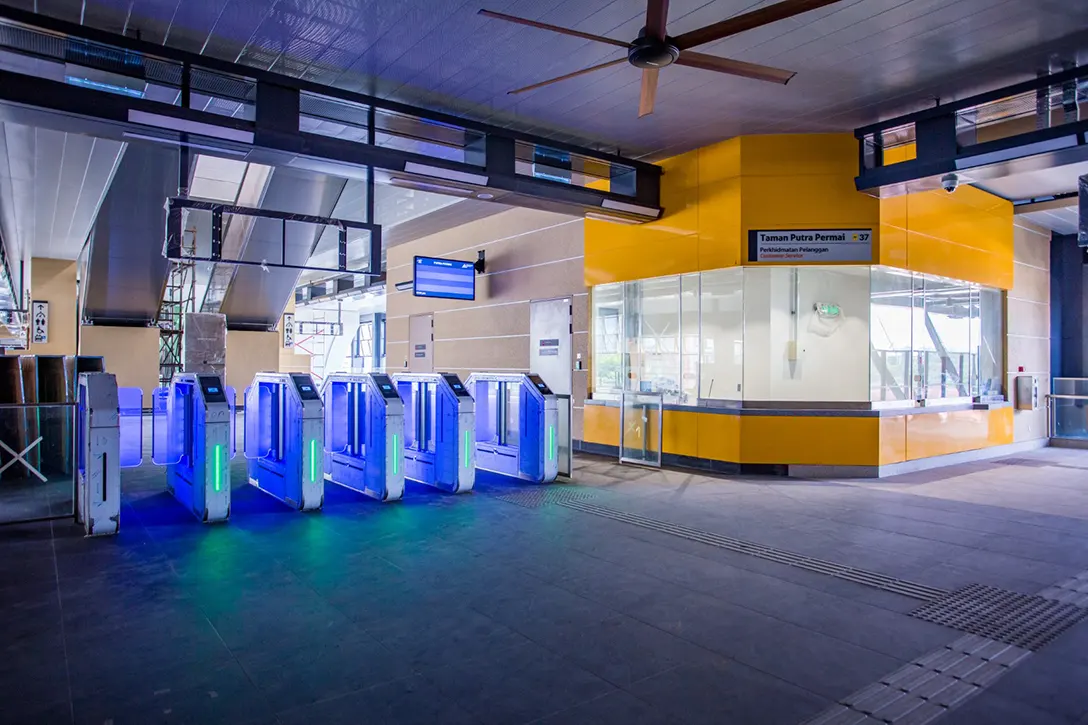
534	498
800	561
1017	619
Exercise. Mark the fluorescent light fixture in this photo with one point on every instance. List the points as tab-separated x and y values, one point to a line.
630	208
464	177
609	218
179	124
173	142
1019	152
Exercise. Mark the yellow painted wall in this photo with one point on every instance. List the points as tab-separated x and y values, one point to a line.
54	281
130	353
812	440
713	197
966	235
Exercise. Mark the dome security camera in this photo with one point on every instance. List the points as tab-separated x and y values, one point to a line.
950	182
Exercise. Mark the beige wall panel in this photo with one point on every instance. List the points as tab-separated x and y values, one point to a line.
1031	319
130	353
1032	353
1031	245
396	330
491	321
249	353
489	354
1030	283
396	355
54	281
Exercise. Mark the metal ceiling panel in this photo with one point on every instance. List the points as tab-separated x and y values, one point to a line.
1063	220
51	185
858	60
257	296
126	270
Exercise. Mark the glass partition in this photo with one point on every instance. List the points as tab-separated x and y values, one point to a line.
811	334
609	366
891	335
721	334
130	424
640	429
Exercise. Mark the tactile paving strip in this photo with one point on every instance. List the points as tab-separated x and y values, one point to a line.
928	687
538	496
1073	590
840	571
1018	619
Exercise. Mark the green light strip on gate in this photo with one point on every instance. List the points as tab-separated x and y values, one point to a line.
466	449
396	456
551	443
218	467
313	460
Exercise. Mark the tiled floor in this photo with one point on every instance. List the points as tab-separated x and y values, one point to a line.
475	609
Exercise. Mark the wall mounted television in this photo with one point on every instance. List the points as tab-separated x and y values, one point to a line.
451	279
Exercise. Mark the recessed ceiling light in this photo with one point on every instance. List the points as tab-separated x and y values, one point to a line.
485	196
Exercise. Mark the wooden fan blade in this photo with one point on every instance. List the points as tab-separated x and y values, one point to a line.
735	67
657	13
553	28
747	21
648	93
575	74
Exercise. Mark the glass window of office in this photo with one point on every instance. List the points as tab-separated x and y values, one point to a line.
891	335
652	312
609	367
721	364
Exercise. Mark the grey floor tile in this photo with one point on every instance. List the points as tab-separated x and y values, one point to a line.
1045	683
989	709
222	694
412	701
323	669
615	708
519	684
1071	645
726	691
623	650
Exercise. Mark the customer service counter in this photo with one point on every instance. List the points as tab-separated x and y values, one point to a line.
795	441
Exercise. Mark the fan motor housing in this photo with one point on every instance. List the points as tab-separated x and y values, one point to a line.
647	52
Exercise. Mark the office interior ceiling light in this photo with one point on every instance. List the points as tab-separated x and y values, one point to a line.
654	49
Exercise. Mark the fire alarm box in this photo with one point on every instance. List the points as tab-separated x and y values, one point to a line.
1027	392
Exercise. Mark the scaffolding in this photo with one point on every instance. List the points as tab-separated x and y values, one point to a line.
179	297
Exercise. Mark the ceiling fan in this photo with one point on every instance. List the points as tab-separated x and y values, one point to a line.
653	49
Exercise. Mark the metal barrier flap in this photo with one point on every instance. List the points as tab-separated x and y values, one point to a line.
130	422
232	401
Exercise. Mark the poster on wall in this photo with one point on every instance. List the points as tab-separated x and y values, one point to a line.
288	329
39	322
810	245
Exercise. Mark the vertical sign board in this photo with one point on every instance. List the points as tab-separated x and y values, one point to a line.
39	322
288	329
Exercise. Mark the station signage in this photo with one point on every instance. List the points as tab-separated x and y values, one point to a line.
787	246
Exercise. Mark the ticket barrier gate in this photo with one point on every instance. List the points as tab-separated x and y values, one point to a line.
109	437
439	430
192	435
364	434
517	424
284	439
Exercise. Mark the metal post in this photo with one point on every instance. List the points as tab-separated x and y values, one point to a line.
183	156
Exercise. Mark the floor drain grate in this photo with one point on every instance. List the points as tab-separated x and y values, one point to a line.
839	571
1024	462
533	498
1017	619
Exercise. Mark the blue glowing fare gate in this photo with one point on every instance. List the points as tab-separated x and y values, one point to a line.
439	430
284	439
364	434
191	436
517	423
